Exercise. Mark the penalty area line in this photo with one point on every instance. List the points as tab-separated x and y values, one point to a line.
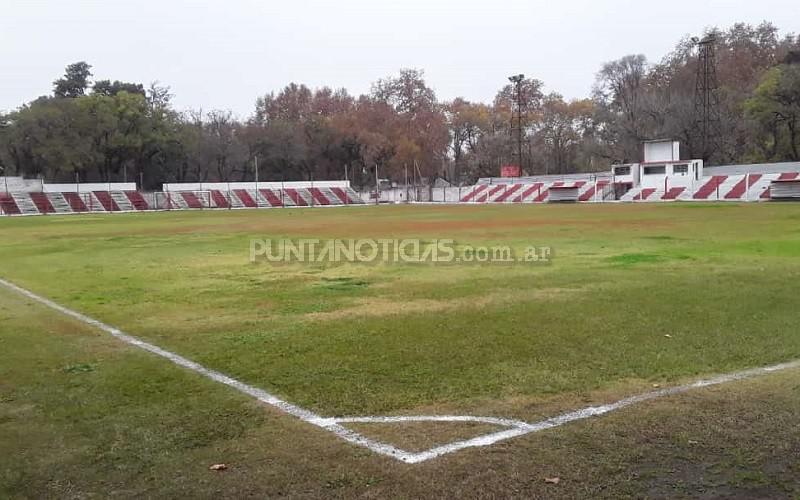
515	428
305	415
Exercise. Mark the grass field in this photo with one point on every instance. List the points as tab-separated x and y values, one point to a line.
634	296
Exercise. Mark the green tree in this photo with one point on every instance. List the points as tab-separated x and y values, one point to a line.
775	105
74	82
109	88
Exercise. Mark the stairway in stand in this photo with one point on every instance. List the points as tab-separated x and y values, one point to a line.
122	201
25	204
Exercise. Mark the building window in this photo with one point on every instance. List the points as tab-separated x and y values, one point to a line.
622	170
661	169
680	169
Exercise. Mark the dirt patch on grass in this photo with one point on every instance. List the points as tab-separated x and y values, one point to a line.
382	306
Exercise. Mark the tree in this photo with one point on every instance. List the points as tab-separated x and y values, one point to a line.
107	88
619	93
776	106
419	134
74	82
467	122
561	130
531	93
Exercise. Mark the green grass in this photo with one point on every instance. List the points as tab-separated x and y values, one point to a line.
635	295
365	339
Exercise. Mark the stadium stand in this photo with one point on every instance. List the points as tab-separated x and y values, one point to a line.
271	198
137	200
106	201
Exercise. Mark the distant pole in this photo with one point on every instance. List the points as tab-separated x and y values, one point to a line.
345	172
77	182
377	186
256	161
141	180
405	174
414	183
5	178
747	188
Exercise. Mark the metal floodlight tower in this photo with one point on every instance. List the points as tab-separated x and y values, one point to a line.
517	80
706	97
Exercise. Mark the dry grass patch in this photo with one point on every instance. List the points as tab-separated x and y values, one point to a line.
382	306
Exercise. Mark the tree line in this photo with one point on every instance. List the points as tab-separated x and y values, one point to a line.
112	131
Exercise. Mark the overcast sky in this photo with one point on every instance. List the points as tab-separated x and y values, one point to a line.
223	54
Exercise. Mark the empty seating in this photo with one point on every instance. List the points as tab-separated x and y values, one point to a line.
219	200
318	196
42	203
528	192
137	200
472	195
270	196
742	186
191	200
25	204
106	201
673	193
353	196
8	206
342	195
508	193
295	197
76	203
68	202
121	200
709	187
59	203
245	198
644	194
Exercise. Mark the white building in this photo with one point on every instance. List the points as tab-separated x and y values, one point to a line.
661	168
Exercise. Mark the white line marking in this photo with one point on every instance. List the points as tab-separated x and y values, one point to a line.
516	428
259	394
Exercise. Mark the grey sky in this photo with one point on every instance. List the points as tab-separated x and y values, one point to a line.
216	54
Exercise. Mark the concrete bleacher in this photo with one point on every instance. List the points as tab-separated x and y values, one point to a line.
25	204
60	203
123	204
93	198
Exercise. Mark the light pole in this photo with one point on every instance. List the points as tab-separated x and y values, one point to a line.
5	178
377	187
517	80
255	158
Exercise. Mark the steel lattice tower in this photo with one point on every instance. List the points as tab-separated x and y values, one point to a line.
517	125
706	97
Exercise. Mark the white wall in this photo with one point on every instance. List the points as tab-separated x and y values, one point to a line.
90	186
670	178
20	185
661	151
226	186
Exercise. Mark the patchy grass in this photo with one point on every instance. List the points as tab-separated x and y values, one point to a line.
635	296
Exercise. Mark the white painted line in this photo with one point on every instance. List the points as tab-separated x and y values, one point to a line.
430	418
334	425
261	395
